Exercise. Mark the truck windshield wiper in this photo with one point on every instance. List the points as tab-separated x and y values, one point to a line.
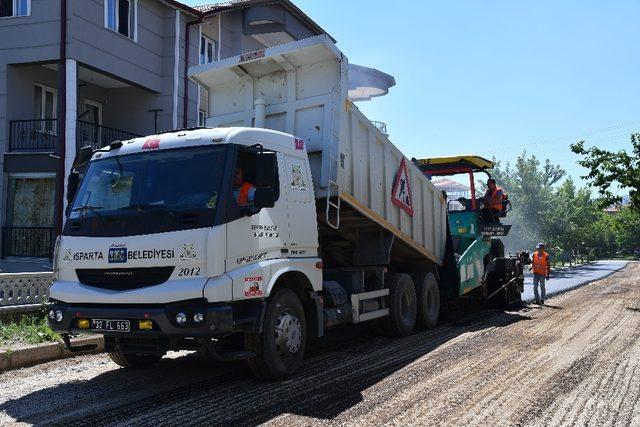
141	206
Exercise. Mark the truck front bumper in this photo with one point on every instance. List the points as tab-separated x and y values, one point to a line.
218	319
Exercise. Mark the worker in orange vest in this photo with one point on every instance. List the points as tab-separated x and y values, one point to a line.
493	199
242	190
541	268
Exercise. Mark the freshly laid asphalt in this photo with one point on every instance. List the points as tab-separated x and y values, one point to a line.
563	280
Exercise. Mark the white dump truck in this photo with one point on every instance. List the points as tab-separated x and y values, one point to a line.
289	214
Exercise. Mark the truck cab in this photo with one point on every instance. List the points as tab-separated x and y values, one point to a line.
157	253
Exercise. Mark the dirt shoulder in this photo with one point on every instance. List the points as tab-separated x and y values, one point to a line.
574	362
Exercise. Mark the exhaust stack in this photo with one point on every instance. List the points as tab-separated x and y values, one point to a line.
260	106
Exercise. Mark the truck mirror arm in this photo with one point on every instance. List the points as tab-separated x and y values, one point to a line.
249	210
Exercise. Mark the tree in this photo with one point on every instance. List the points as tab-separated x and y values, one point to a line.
607	168
627	228
529	184
601	236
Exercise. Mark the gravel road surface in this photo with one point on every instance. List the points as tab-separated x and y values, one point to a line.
574	362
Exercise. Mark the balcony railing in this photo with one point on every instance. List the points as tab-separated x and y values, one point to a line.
98	136
33	135
28	241
41	135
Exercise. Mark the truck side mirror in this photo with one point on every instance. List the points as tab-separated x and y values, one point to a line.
72	188
265	170
72	185
264	197
83	156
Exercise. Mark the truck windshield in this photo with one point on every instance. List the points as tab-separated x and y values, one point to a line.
162	182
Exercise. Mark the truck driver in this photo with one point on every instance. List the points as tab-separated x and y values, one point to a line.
242	190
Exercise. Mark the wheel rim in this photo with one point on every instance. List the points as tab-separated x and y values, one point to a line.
288	334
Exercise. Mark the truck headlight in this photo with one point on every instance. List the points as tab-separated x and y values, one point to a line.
181	319
56	256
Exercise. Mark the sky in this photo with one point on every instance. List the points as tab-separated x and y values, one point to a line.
495	77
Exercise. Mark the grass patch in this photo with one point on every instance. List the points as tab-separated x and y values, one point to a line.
29	329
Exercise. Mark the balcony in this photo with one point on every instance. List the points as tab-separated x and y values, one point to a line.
41	135
33	135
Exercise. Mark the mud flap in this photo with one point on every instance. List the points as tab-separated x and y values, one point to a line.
78	348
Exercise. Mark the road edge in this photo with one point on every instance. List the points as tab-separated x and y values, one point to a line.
47	352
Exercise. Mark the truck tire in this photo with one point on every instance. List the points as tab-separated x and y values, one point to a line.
280	347
132	360
428	302
402	306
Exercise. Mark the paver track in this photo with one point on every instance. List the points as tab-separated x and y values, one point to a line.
576	362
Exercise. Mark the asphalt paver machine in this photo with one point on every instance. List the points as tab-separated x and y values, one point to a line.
474	246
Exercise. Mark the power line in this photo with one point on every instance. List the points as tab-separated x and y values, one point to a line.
574	138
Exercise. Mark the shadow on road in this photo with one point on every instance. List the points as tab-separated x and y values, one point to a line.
191	390
543	306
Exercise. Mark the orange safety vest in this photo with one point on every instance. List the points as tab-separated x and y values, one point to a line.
243	194
541	263
495	198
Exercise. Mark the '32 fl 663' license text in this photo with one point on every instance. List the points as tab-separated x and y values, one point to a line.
111	325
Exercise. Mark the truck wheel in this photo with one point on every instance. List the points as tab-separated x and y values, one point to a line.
279	348
132	360
402	305
428	302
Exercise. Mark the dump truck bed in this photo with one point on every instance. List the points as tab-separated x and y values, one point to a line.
304	88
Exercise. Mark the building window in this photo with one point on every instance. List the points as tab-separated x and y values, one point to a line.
44	106
202	118
207	50
121	16
15	8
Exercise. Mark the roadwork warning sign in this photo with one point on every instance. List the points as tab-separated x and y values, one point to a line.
401	192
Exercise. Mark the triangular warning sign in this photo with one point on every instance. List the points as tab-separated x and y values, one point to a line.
401	192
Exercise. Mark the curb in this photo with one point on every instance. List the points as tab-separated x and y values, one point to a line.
15	359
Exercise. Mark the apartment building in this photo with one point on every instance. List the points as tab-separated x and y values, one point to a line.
119	72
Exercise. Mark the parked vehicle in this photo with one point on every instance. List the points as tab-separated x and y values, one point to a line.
160	251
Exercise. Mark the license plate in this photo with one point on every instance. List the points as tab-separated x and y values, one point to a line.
111	325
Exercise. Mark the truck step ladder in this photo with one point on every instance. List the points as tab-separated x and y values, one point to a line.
356	299
333	189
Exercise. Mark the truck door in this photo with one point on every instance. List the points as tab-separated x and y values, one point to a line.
302	212
253	237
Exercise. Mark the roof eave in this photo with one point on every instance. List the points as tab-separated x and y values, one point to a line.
287	3
183	7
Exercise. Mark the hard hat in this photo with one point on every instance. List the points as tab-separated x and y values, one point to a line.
540	245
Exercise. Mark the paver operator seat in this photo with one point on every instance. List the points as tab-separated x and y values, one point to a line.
480	215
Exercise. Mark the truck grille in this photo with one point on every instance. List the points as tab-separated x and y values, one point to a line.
122	279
